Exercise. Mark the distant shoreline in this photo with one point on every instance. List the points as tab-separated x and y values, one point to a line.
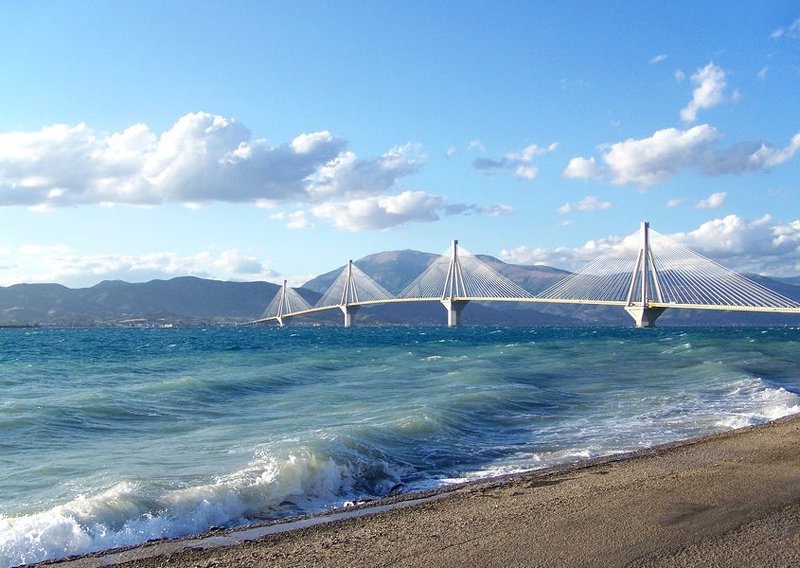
731	493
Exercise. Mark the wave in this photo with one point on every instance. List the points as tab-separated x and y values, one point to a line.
130	512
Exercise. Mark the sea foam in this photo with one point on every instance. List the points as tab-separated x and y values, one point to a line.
130	513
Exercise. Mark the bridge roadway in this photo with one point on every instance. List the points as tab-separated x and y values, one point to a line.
534	300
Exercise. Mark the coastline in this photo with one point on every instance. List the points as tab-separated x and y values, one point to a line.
731	498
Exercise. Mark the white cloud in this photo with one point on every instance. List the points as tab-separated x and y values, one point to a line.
658	58
587	204
348	176
527	154
294	220
649	161
767	157
382	212
386	211
709	86
202	158
791	31
520	162
582	168
676	202
679	75
58	263
526	172
760	246
499	210
713	201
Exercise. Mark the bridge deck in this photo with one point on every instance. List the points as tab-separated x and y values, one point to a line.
534	300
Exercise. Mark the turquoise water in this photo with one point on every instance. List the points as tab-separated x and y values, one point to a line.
110	437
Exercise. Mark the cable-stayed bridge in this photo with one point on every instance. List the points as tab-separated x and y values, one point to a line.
644	279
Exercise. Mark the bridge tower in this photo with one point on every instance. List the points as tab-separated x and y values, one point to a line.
283	304
644	280
454	288
349	296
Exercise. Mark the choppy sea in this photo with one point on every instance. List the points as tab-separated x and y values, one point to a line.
111	437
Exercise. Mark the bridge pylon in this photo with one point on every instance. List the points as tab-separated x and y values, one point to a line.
454	288
644	283
349	296
350	290
286	303
283	304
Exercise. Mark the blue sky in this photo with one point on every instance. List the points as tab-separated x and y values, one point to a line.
269	140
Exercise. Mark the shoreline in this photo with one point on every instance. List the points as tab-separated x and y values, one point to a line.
689	497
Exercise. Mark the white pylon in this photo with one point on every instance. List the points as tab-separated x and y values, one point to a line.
454	288
646	275
282	305
349	295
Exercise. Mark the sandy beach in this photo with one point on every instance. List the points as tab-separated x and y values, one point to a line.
731	499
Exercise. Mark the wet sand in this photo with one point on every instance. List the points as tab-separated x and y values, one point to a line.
726	500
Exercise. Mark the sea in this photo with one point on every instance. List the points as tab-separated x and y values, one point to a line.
110	437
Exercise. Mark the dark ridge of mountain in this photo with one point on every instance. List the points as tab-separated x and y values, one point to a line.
184	300
783	286
794	280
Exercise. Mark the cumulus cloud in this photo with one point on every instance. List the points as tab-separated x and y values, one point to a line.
386	211
382	212
658	58
753	246
582	168
347	175
709	84
58	263
202	158
587	204
646	162
766	157
713	201
520	162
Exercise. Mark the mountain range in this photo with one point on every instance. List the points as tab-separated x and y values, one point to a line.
196	301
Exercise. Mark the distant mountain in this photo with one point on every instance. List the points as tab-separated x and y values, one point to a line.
184	300
196	301
394	270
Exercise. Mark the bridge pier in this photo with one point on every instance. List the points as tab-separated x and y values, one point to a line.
454	309
644	317
349	312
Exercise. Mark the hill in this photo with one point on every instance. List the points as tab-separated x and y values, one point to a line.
184	300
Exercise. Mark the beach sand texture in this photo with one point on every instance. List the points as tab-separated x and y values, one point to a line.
731	499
